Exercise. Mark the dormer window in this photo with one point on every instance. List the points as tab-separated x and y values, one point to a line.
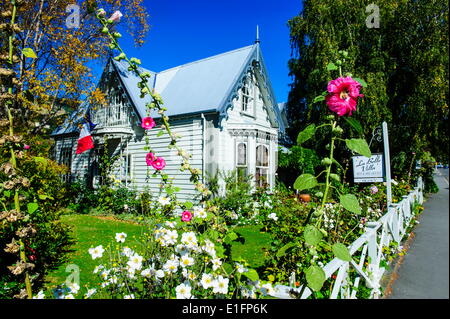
247	94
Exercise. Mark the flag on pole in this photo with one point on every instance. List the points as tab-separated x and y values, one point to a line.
85	140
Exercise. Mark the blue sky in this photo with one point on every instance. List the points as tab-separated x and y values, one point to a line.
189	30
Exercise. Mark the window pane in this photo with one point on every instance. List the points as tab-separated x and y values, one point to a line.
262	156
261	177
242	154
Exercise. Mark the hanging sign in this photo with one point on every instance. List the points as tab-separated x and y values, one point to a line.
368	169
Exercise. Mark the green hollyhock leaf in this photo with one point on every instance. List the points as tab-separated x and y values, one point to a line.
354	124
361	81
315	276
306	134
359	146
312	235
251	274
32	207
351	203
188	205
341	252
282	251
331	66
319	98
29	53
305	181
230	237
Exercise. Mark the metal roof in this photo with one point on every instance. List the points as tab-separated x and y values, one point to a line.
201	86
190	88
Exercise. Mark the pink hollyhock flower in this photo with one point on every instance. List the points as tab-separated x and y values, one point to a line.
148	123
159	163
342	95
149	158
115	17
186	216
27	147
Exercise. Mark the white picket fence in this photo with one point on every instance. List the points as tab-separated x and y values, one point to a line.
367	253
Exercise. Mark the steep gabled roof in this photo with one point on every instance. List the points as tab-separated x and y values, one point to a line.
206	85
193	87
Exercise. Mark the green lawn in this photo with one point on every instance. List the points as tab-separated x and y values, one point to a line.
254	245
91	231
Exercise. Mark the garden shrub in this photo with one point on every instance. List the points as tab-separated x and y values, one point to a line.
47	245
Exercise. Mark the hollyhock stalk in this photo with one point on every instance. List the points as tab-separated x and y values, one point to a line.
22	255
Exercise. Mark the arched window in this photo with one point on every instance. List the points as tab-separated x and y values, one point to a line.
262	165
241	158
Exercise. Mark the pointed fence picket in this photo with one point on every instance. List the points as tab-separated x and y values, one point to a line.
367	253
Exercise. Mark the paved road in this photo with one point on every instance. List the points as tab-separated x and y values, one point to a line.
424	272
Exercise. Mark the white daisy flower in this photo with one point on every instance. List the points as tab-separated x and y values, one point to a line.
74	287
183	291
128	252
171	266
206	281
186	261
240	268
199	212
135	262
159	274
220	285
163	201
273	216
216	263
120	237
267	289
96	252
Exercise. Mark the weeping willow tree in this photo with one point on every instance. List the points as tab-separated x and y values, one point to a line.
400	49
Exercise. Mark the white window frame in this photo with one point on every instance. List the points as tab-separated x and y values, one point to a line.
126	168
237	165
258	182
248	95
65	156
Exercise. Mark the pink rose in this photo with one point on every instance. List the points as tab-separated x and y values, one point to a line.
342	95
159	163
149	158
186	216
115	17
148	123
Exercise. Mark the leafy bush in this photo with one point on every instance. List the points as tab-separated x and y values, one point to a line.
295	161
47	239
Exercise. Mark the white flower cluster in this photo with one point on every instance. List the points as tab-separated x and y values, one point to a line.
329	214
192	265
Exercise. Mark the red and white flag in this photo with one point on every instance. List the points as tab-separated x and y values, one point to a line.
85	141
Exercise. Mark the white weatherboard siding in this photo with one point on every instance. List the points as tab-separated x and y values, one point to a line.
213	103
191	141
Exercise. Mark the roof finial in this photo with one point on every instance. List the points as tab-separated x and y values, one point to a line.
257	34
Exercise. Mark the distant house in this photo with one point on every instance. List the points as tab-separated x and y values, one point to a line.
223	107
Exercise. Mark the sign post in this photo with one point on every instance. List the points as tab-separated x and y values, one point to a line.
370	170
387	164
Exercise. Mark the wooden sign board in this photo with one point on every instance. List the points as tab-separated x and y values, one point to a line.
368	169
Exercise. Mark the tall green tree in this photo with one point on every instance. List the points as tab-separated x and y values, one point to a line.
403	60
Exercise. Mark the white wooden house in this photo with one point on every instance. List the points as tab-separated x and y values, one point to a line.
223	107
